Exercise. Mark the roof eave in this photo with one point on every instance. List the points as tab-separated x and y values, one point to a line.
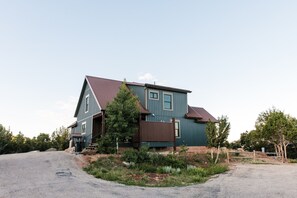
167	88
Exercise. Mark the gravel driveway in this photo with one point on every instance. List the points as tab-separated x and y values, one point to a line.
55	174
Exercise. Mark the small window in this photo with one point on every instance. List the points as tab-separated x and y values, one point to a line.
167	101
87	105
154	95
83	127
177	128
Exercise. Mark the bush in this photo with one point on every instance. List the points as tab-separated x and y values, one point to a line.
174	161
132	155
106	145
157	159
143	155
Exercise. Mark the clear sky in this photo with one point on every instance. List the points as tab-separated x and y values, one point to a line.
239	58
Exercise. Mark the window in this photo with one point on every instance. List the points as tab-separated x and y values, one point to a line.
154	95
177	128
167	101
87	104
83	127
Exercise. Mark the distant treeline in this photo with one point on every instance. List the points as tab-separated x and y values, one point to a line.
10	143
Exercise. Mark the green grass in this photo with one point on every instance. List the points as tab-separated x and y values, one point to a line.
154	174
292	160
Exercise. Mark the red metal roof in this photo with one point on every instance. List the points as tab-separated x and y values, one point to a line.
105	90
200	114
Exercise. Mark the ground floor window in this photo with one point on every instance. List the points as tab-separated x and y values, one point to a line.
177	128
83	127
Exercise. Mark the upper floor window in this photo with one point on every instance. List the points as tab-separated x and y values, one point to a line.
167	101
154	95
87	104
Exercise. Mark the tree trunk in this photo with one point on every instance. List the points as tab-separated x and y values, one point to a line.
276	150
218	153
281	152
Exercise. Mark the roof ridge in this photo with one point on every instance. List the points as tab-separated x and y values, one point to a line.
87	76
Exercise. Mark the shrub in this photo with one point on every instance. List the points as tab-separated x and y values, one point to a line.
183	150
130	155
157	159
174	161
169	169
292	160
143	155
106	145
148	168
197	171
216	169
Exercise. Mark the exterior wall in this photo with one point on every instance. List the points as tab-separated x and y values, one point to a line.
139	92
87	117
180	107
191	132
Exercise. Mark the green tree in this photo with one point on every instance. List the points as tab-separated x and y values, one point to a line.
217	133
5	140
60	138
252	140
122	116
278	128
43	142
19	143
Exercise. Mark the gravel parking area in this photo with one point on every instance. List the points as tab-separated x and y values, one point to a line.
56	174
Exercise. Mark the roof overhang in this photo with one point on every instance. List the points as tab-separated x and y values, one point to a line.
73	125
167	88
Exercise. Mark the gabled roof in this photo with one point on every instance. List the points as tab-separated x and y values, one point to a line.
104	91
200	114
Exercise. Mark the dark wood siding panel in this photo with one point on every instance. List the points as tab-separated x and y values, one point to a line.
156	132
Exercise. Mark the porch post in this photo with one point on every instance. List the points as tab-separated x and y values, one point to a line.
103	123
174	138
139	132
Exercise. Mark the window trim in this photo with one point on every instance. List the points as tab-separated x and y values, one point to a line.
154	91
87	98
83	124
171	94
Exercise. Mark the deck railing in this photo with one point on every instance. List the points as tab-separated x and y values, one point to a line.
156	132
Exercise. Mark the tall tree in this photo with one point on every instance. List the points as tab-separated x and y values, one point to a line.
122	115
278	128
217	133
60	138
5	140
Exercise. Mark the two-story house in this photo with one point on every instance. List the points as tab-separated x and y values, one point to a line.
159	107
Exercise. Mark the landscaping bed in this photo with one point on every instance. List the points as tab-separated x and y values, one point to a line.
143	168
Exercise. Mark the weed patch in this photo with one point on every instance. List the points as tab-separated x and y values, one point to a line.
153	169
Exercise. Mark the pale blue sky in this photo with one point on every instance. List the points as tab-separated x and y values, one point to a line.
238	57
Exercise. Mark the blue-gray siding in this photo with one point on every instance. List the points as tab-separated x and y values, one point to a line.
191	132
87	117
139	92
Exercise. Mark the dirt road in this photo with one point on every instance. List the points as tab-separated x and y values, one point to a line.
55	174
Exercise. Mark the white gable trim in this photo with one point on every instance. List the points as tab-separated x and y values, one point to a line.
93	94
